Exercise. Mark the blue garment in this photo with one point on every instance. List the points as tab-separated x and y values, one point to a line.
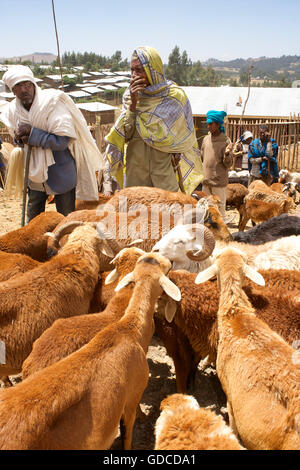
258	149
216	116
62	176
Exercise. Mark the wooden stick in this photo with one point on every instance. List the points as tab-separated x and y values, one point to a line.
26	172
57	42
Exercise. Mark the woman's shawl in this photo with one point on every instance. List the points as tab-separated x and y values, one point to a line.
53	111
164	121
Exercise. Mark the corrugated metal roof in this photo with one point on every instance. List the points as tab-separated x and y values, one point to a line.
123	72
78	94
96	107
110	80
84	85
91	89
122	84
108	87
107	72
261	102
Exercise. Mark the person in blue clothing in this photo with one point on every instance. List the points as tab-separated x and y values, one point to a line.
64	158
262	156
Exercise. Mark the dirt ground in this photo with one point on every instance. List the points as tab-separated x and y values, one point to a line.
207	389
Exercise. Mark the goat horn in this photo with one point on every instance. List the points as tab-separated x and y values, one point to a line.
64	230
209	244
111	242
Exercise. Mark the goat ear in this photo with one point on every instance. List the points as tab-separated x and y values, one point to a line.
254	275
170	288
170	310
206	275
135	242
107	251
125	281
111	277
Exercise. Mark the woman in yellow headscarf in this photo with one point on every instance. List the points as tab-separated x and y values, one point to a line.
156	122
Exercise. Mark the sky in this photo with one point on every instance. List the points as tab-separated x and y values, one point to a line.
221	29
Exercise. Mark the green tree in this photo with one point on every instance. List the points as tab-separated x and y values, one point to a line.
174	67
243	77
195	73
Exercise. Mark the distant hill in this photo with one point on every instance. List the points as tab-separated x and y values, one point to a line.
36	58
270	66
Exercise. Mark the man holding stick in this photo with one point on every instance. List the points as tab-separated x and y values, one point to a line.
262	156
64	158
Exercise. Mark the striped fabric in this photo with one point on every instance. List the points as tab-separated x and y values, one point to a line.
164	121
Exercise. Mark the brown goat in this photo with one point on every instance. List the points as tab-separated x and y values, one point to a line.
235	194
195	317
183	425
258	370
259	211
83	205
66	335
30	239
61	287
122	229
15	263
78	402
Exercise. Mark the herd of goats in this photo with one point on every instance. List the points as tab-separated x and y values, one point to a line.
82	295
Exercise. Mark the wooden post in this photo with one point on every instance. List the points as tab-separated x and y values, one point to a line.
294	145
298	142
289	143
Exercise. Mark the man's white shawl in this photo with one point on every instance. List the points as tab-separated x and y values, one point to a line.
53	111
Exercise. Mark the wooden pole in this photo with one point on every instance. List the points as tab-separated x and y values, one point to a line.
244	107
289	143
57	42
297	147
25	184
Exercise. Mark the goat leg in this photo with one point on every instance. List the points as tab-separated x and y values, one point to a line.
126	426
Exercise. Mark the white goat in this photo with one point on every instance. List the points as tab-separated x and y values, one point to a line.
180	242
286	176
187	246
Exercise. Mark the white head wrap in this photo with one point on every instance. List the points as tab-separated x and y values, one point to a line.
17	74
247	135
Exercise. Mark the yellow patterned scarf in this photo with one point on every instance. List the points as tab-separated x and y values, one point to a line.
164	121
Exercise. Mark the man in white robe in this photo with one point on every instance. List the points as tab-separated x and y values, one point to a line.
64	158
